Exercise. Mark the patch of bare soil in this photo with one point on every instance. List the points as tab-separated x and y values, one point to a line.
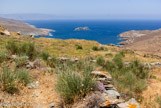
153	91
39	97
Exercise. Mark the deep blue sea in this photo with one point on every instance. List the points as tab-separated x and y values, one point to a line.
105	32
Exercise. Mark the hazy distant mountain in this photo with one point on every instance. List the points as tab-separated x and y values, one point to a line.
29	16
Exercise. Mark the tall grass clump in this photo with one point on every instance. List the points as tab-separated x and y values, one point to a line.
100	61
75	84
3	56
21	61
21	49
45	55
11	79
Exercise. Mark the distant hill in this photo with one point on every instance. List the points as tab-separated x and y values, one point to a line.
23	28
148	41
29	16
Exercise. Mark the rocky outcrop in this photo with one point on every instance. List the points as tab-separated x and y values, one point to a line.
81	29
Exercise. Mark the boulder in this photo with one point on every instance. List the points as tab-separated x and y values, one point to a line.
5	32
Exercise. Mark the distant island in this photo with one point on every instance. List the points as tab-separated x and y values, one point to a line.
81	29
23	28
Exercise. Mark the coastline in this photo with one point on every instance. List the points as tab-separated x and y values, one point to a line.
24	28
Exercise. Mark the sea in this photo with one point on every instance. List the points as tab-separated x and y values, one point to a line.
102	31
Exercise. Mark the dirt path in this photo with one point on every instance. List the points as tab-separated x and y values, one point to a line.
45	93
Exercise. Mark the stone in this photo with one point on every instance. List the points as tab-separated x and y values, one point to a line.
33	85
37	63
29	65
52	105
5	32
112	94
14	57
102	74
127	63
132	103
62	59
18	33
108	86
75	60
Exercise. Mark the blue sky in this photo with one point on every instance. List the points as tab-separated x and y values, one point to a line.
143	9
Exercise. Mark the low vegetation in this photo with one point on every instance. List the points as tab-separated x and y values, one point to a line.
158	100
73	82
78	47
21	49
12	79
129	79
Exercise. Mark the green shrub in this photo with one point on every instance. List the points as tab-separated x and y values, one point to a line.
21	49
78	47
118	61
73	84
100	61
21	61
130	79
45	55
52	62
12	47
95	48
101	48
108	55
23	76
3	56
10	79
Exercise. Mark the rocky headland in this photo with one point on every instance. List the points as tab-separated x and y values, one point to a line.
23	28
148	41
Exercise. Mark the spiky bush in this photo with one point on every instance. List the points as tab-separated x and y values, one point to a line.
100	61
21	61
73	83
11	79
3	56
45	55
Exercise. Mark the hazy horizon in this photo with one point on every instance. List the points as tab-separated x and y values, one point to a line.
84	9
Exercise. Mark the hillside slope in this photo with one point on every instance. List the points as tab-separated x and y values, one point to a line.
23	28
146	41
